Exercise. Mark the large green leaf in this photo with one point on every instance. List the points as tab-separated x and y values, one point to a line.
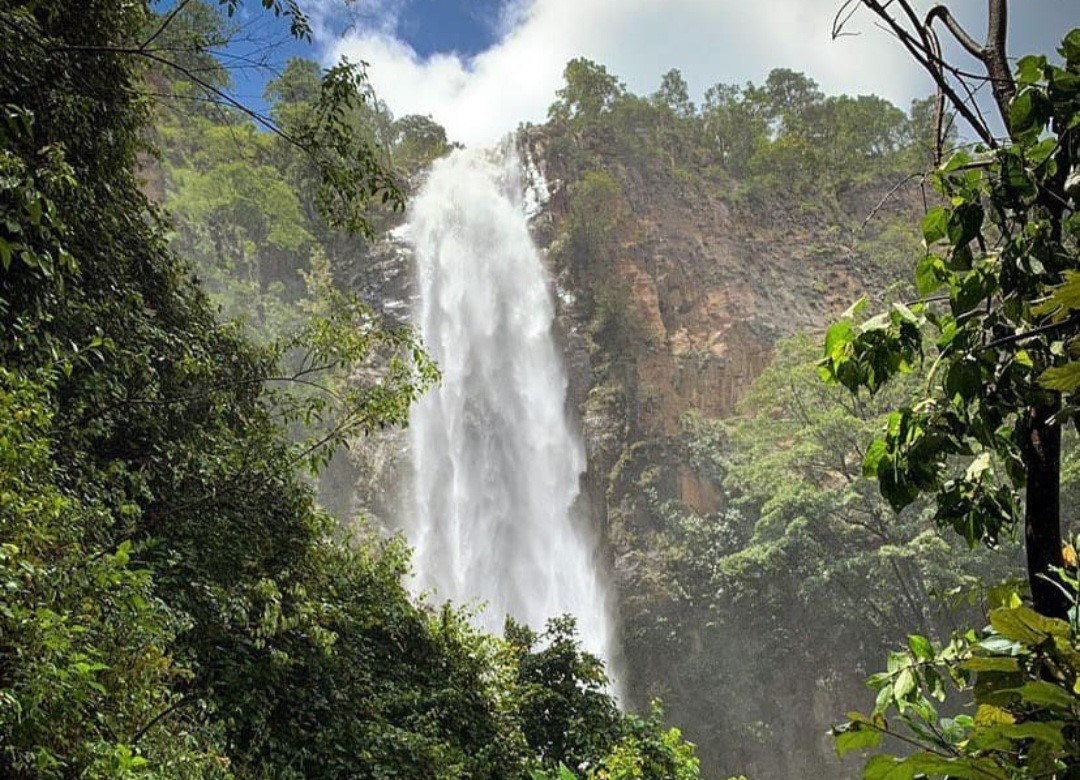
837	339
1050	732
1064	298
1045	694
921	647
935	225
1023	624
931	765
964	224
856	736
1070	47
1029	69
1027	110
930	274
991	664
1063	379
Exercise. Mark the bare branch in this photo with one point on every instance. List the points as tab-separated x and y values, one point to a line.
991	54
181	702
843	16
997	64
1030	334
941	12
164	24
923	49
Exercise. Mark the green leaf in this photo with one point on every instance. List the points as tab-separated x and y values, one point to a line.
935	225
1047	694
855	310
1023	624
1040	152
964	223
931	765
1064	84
876	454
856	736
904	685
1062	379
1022	110
929	274
565	773
981	663
963	381
839	335
957	160
970	293
1065	296
921	647
903	313
1050	732
989	715
887	768
1070	47
1029	69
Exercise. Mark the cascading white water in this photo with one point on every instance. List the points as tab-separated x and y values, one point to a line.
497	464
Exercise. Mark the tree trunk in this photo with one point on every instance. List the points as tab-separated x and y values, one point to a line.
1042	516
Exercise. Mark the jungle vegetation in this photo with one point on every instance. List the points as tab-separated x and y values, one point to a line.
179	364
174	602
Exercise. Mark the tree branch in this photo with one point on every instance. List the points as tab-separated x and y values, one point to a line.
924	49
164	24
941	12
185	700
1073	320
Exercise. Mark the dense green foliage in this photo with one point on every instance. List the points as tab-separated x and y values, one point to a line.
754	605
999	251
985	438
784	136
1022	673
173	603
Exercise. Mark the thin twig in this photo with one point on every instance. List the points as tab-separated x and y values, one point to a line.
1048	328
888	195
164	24
161	716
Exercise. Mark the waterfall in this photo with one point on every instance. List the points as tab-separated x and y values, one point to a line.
497	463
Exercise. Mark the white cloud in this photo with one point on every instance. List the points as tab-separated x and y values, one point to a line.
481	98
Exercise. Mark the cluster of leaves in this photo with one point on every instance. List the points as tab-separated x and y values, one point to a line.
1000	252
85	637
173	604
1023	675
995	282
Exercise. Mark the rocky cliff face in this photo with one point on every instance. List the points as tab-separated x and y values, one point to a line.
704	284
674	311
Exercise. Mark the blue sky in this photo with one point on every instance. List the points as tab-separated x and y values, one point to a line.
430	27
482	66
464	26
